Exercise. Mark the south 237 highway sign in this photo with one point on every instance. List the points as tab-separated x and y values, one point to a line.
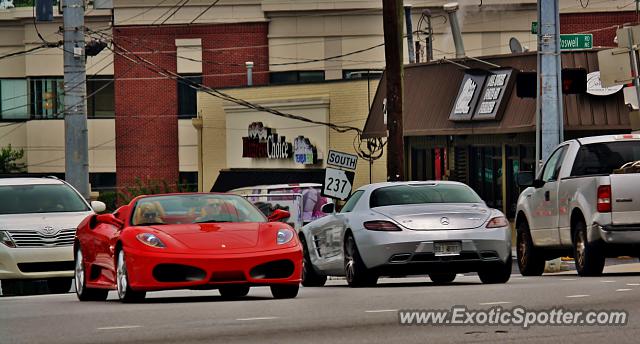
337	183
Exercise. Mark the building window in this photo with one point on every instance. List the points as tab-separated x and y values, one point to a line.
100	98
14	99
361	74
295	77
47	98
187	97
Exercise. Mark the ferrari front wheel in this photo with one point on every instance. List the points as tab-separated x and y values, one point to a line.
285	291
84	293
125	293
233	291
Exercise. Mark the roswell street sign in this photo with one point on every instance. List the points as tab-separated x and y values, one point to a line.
576	41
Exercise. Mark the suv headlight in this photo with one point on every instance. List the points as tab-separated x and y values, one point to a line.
6	239
284	236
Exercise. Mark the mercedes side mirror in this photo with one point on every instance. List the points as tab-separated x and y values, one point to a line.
278	215
328	208
525	179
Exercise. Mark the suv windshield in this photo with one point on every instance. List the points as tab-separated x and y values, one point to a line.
44	198
603	158
425	193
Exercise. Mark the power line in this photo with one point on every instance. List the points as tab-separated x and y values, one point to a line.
174	12
205	11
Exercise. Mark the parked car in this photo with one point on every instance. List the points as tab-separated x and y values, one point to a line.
38	220
186	241
584	202
407	228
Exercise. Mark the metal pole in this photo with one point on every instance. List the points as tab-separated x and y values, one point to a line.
392	24
429	40
452	9
550	77
634	63
407	19
75	101
249	65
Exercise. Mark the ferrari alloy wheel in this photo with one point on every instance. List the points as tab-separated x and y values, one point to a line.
499	274
355	271
310	278
588	256
233	291
442	277
530	260
125	294
84	293
285	291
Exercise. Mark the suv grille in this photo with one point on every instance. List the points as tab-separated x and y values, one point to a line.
31	238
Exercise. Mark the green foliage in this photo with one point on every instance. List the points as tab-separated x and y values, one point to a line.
9	158
109	198
150	187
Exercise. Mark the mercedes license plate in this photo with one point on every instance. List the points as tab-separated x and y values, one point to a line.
447	248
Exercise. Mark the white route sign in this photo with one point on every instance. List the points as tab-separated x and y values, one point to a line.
342	160
337	183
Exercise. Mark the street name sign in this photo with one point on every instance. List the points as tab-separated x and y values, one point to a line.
342	160
337	183
576	41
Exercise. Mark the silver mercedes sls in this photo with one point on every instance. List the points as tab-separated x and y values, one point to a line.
438	228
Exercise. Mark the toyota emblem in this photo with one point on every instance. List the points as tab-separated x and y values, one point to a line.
48	230
444	221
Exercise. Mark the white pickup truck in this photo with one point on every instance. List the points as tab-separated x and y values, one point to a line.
584	202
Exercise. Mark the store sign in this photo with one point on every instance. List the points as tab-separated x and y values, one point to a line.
495	95
264	142
468	95
483	95
594	86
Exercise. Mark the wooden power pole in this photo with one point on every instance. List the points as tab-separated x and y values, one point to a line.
392	12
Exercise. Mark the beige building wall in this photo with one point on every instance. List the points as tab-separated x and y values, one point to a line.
347	104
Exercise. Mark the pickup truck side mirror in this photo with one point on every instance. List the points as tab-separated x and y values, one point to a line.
525	178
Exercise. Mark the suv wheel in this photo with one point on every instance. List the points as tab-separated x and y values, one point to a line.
588	255
530	259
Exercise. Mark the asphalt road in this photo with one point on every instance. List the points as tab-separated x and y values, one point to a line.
331	314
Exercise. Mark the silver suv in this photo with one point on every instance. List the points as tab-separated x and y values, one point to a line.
38	221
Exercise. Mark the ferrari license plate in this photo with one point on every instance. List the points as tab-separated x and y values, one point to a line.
447	248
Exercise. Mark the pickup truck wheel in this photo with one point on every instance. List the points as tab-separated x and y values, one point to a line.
530	259
588	256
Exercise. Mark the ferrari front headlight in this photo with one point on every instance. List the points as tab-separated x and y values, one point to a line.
150	239
284	236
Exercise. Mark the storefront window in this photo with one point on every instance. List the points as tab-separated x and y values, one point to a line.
47	98
101	98
13	99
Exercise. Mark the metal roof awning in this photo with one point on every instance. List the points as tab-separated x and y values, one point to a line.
234	178
430	91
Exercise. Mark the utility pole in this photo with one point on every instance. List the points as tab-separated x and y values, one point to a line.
549	117
75	101
392	24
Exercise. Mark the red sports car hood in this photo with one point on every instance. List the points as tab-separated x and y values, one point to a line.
215	236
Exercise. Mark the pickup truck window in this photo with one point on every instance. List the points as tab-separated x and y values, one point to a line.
552	168
604	157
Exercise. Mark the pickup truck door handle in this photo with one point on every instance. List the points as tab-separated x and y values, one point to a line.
547	196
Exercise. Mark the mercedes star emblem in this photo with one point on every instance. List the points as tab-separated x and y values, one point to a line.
444	221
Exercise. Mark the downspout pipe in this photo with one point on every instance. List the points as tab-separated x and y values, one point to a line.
452	9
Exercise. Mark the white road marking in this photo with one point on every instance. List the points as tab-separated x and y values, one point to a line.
626	289
569	279
494	303
633	284
521	278
577	296
381	311
257	318
118	327
608	281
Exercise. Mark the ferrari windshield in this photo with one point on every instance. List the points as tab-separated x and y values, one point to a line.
423	193
194	208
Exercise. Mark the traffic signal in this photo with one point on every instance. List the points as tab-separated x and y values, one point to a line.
526	84
574	80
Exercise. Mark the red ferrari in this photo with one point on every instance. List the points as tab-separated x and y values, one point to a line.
186	241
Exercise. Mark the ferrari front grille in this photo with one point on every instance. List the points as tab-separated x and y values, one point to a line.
35	239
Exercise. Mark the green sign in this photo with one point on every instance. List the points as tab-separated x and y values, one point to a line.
534	27
576	42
